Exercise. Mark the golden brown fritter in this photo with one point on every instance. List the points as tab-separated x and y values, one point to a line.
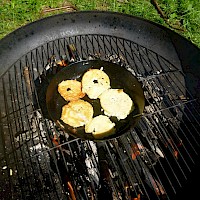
116	102
77	113
71	90
99	124
94	82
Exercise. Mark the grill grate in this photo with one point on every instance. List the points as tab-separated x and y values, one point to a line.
152	161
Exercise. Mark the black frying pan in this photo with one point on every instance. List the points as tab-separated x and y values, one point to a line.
120	78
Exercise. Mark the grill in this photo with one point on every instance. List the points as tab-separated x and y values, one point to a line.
154	160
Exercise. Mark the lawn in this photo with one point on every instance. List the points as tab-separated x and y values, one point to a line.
182	16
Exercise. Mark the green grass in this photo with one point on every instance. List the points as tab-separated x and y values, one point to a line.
16	13
184	13
180	14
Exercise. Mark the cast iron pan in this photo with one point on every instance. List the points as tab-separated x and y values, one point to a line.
120	78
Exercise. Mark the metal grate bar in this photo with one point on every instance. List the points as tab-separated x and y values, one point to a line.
31	169
25	165
140	168
171	107
6	181
167	138
10	134
126	158
158	185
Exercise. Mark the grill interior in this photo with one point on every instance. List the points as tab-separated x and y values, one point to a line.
40	161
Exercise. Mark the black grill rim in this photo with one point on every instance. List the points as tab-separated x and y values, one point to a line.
146	33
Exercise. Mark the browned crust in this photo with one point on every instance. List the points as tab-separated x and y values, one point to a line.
77	113
71	90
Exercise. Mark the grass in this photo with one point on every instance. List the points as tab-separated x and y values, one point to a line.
16	13
185	14
182	16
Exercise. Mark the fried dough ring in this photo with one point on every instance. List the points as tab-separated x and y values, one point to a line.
99	124
115	102
77	113
94	82
70	90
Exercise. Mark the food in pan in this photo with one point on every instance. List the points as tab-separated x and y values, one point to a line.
94	82
70	90
99	124
115	102
77	113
